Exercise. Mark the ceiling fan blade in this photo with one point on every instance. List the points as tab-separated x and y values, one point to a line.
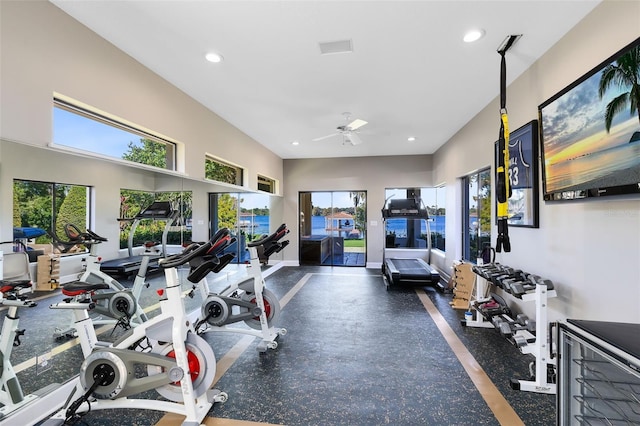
325	137
353	139
356	124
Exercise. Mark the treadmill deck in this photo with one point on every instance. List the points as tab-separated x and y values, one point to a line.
415	272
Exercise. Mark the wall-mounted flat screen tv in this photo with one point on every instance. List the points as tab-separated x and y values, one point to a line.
590	132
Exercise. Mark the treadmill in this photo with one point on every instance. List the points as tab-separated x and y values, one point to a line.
21	235
410	271
159	210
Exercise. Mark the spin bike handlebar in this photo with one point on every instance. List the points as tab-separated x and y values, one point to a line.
272	243
95	236
214	260
280	232
77	236
223	239
196	250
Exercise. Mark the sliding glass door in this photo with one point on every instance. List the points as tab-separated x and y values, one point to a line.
332	228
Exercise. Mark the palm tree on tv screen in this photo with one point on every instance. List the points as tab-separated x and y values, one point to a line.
625	72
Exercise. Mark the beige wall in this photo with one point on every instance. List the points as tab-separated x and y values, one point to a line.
590	249
370	174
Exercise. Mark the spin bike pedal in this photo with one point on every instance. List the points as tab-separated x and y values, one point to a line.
16	339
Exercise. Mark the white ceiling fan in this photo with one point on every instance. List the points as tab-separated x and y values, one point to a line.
348	131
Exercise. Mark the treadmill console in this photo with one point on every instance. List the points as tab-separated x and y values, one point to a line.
159	209
405	207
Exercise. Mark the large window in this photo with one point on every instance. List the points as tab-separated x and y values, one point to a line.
246	215
133	202
476	213
218	170
49	206
412	233
266	184
435	201
90	131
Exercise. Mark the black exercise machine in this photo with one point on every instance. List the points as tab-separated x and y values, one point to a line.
408	271
158	210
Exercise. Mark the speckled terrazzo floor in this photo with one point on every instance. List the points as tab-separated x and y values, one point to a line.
354	354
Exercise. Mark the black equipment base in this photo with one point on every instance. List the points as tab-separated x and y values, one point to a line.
414	272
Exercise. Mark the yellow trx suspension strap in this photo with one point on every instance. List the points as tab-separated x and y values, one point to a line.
503	190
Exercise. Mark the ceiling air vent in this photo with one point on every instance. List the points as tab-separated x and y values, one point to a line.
340	46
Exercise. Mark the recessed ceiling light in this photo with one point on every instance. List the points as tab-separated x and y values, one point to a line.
473	35
411	139
296	143
213	57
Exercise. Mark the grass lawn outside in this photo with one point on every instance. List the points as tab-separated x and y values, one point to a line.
354	243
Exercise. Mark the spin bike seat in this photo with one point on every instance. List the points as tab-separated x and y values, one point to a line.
6	286
77	288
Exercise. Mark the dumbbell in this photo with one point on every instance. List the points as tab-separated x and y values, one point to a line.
541	281
493	276
502	325
485	271
507	281
519	340
520	288
490	309
508	273
493	308
509	328
524	320
492	268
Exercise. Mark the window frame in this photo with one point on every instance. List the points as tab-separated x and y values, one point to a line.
171	147
470	249
130	206
270	183
55	211
439	243
416	224
239	171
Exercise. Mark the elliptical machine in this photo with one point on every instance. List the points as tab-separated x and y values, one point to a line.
179	364
247	299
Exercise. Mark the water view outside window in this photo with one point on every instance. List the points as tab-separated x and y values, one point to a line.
412	233
246	215
333	228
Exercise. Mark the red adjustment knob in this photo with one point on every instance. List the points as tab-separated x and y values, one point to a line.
160	291
99	259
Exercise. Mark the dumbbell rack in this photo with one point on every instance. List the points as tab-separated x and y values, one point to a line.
541	348
538	346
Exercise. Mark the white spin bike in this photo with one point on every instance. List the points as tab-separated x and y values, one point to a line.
179	364
247	299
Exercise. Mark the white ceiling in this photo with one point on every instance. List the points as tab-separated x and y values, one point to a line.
410	73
